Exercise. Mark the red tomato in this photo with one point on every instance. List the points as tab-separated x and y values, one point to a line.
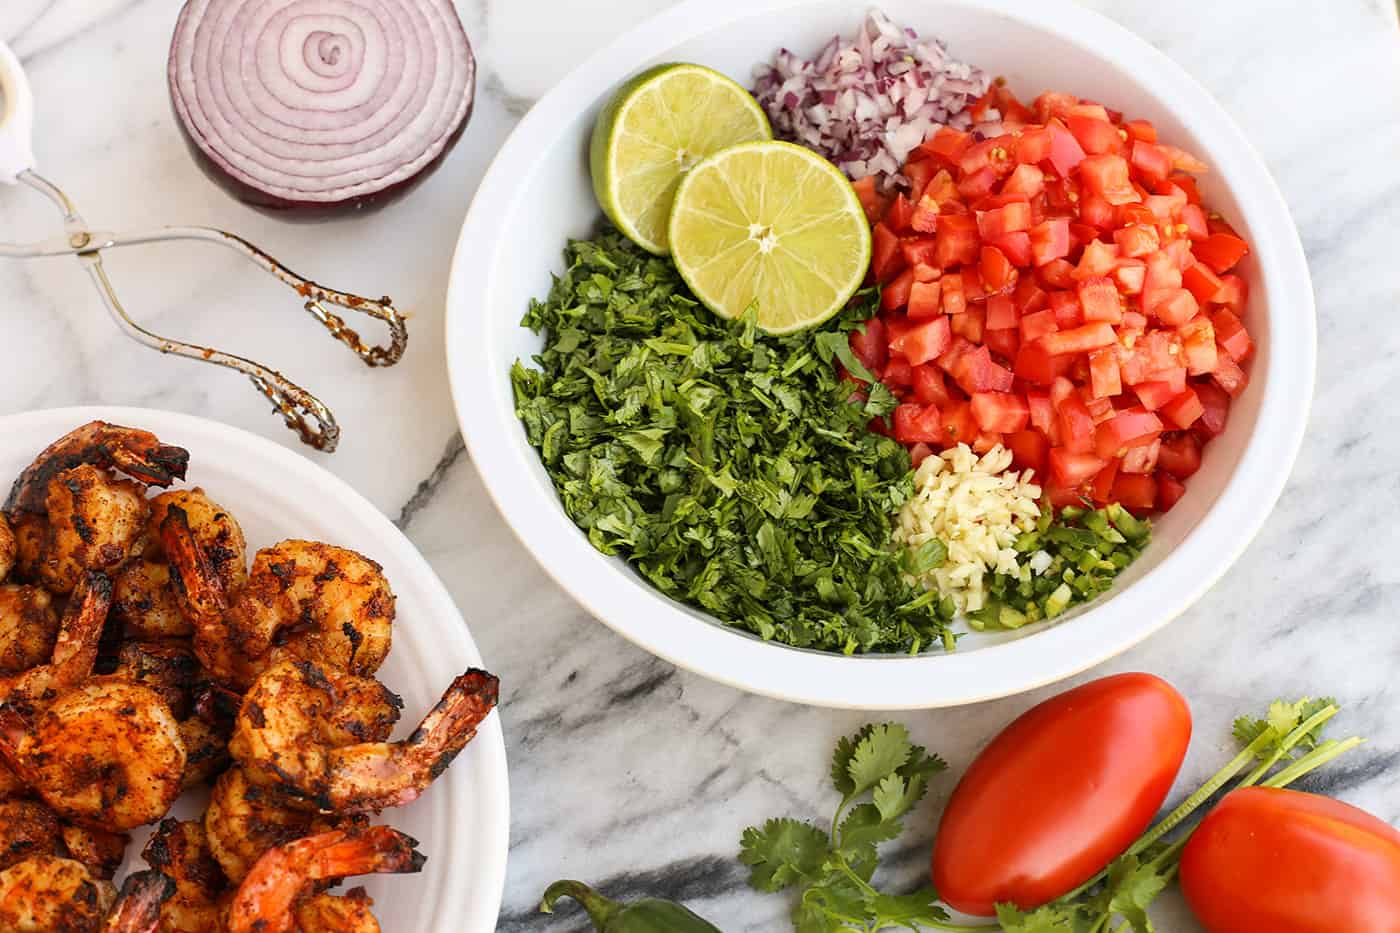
1281	861
900	215
947	145
925	298
1231	335
915	423
1216	409
1221	251
895	295
957	241
1107	176
1060	792
1150	162
923	343
1081	339
885	258
1095	135
1000	412
929	387
1169	491
870	347
1183	410
1076	425
1070	469
1065	152
1135	492
1099	298
1180	455
1103	374
1029	450
1128	428
998	275
976	372
870	199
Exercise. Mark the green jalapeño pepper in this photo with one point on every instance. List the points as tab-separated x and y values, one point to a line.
649	915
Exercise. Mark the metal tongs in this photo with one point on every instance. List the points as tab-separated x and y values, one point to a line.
303	412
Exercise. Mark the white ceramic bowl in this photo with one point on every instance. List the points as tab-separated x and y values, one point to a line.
537	194
462	822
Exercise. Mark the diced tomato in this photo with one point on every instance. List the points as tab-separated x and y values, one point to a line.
1103	373
1000	412
918	250
1201	282
1173	306
1053	104
1130	427
1193	218
1137	240
1215	404
925	273
919	453
1099	299
1165	208
925	342
1029	450
1169	491
994	223
1057	273
1153	395
870	346
1233	293
976	372
1107	176
897	373
998	275
919	175
1065	152
1198	346
1033	146
885	258
900	215
1028	180
1150	162
895	295
1228	374
947	145
1184	161
1184	410
1230	333
957	241
1042	413
1080	339
972	284
1001	312
925	299
985	441
1130	274
1141	129
971	324
924	219
1142	458
979	184
929	388
1037	325
959	348
1095	135
959	427
1037	365
942	192
1100	409
1187	184
916	423
1221	251
1049	240
954	296
1135	492
870	199
1097	214
1099	258
1016	246
1180	455
1075	424
1070	469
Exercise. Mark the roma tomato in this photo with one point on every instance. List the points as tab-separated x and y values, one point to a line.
1281	861
1060	792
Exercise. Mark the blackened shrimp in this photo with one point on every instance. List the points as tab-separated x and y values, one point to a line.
9	548
100	851
280	739
75	648
139	454
94	522
144	602
138	905
267	900
217	531
170	668
337	913
28	627
179	851
105	754
303	598
27	828
47	894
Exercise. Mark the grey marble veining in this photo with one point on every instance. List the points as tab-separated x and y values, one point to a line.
625	771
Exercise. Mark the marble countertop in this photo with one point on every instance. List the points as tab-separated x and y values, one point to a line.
626	771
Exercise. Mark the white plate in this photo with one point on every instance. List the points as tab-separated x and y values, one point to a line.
462	821
537	194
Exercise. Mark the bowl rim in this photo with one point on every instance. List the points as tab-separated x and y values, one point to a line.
629	606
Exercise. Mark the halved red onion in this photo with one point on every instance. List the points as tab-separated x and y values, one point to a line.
866	102
320	103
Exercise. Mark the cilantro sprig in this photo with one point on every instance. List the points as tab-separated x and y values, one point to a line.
881	775
1277	748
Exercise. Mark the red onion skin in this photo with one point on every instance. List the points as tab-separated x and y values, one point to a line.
313	211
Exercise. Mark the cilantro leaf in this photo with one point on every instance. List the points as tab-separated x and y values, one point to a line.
1132	886
906	910
782	853
882	751
1052	918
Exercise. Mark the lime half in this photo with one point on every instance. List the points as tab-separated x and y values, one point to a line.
653	131
773	225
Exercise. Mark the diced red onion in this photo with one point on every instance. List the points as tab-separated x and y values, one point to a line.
867	102
320	103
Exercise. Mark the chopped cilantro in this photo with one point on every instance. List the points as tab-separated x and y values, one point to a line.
731	469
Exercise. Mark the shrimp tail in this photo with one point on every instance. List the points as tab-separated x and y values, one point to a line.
137	453
79	634
14	728
453	722
137	909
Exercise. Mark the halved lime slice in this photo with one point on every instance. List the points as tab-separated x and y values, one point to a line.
653	131
770	224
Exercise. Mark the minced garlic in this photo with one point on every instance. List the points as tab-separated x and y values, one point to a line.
977	508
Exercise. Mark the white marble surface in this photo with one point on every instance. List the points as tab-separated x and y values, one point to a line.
625	771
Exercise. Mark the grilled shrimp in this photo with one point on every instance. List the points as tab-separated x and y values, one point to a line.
139	454
105	754
28	627
27	828
267	900
303	598
244	821
102	852
344	913
47	894
144	603
217	531
180	851
29	545
74	651
281	739
9	548
94	523
171	669
138	905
